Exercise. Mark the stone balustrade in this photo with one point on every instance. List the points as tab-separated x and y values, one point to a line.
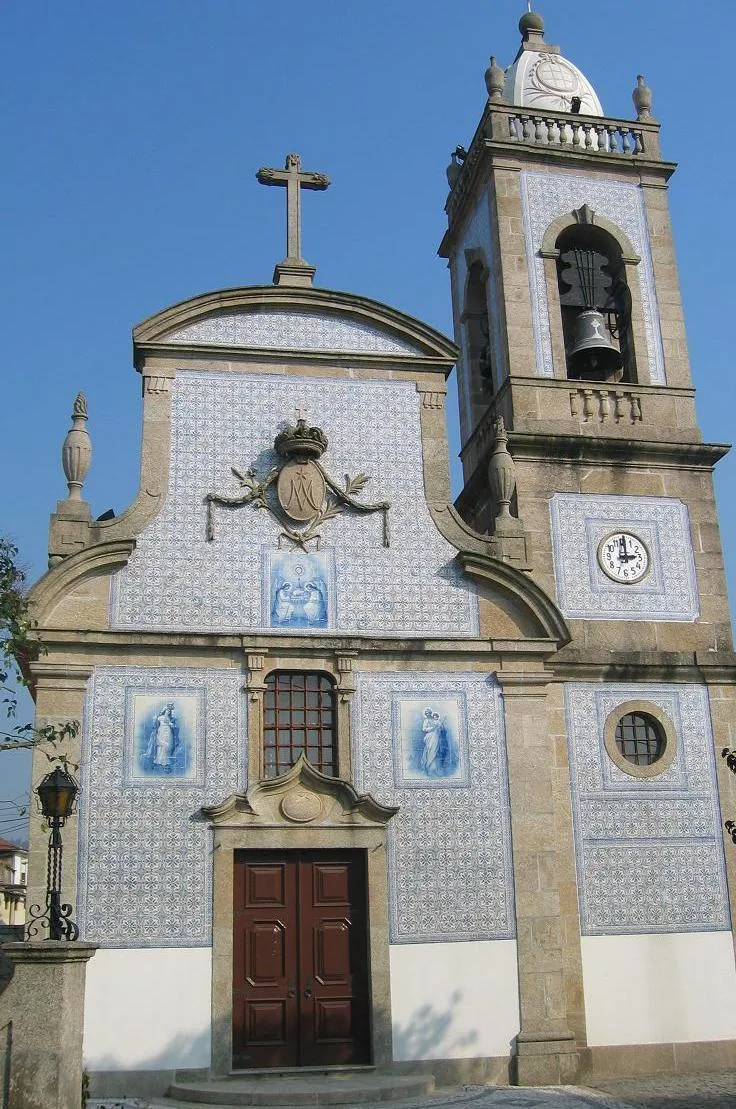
577	133
560	136
590	404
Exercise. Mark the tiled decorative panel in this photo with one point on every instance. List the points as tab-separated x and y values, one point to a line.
477	236
289	330
144	852
547	196
313	573
177	580
433	744
649	850
581	520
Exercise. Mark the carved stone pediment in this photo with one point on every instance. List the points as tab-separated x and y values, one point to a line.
302	796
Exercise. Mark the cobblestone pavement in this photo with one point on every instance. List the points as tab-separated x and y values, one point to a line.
704	1091
707	1091
546	1097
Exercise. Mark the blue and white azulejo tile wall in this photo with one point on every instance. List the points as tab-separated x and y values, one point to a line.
157	745
547	196
581	520
433	744
649	850
286	329
177	580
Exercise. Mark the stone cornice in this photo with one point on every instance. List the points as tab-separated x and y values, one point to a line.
493	655
634	454
99	641
433	347
700	667
174	352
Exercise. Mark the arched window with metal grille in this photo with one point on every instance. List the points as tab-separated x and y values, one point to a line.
299	717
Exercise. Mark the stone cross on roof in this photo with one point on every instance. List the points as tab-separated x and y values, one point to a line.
293	270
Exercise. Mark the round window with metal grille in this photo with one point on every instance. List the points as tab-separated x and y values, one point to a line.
640	738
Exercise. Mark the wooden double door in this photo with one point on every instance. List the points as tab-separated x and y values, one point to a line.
300	959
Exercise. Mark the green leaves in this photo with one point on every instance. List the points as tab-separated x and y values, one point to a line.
19	645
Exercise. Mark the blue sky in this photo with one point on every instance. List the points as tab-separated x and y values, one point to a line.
133	132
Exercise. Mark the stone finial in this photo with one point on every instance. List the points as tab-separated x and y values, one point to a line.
76	453
501	471
642	97
454	169
495	78
531	26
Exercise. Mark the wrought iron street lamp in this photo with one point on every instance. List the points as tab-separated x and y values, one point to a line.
57	798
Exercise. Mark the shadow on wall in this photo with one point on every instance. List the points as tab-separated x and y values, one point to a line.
428	1035
182	1052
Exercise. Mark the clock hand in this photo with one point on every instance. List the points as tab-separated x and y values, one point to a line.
624	556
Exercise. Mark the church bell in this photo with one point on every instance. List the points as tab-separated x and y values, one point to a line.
593	355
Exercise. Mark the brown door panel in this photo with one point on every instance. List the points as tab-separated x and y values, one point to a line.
265	886
265	959
334	1020
332	965
331	884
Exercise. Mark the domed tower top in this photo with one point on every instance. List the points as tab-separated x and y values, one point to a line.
541	79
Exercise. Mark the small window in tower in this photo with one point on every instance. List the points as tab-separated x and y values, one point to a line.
596	306
299	717
640	738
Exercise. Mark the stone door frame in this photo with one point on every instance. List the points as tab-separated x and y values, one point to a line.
302	810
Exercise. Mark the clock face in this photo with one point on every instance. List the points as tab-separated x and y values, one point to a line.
624	557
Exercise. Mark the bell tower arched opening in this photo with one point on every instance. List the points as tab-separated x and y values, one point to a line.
595	303
478	338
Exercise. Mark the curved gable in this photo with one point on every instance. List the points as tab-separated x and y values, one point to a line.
276	319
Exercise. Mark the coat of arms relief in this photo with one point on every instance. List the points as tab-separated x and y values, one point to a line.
298	492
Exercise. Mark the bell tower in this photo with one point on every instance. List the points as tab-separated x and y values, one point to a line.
580	444
568	315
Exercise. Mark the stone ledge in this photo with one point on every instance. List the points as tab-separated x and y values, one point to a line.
633	1060
49	951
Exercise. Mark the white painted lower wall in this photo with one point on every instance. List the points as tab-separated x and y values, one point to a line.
678	987
454	1000
148	1009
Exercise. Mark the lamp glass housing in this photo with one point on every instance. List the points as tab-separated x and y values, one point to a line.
57	794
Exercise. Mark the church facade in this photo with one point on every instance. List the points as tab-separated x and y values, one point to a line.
372	778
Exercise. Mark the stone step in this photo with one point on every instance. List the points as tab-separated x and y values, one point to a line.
306	1086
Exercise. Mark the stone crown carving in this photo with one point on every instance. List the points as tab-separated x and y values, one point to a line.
301	441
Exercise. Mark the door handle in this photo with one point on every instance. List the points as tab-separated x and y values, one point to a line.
307	991
291	992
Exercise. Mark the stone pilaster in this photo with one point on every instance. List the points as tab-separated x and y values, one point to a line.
60	694
256	687
345	690
547	1049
